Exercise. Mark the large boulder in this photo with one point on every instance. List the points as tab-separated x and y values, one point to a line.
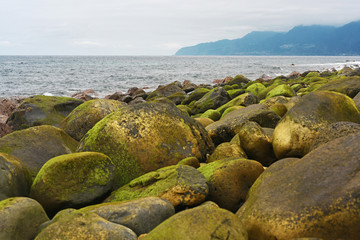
230	180
20	218
146	137
72	225
207	221
226	128
73	180
348	85
257	143
316	196
36	145
181	185
42	110
140	215
15	178
256	88
85	116
211	100
295	132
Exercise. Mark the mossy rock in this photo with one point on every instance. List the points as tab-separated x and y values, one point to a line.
279	109
235	92
230	109
166	90
207	221
245	99
211	100
312	74
316	196
226	128
20	218
181	185
357	101
256	143
73	180
239	79
85	116
36	145
349	86
226	150
227	87
15	180
281	90
204	121
256	88
140	215
295	132
184	109
177	97
263	94
84	225
230	180
212	114
274	100
296	87
42	110
190	161
195	95
145	137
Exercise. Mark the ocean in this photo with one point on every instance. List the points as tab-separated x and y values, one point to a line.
66	75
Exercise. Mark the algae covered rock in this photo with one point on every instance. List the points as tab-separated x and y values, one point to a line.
179	184
73	180
204	121
84	225
36	145
357	101
257	143
140	215
207	221
42	110
281	90
295	132
316	196
146	137
190	161
211	100
255	88
212	114
349	86
20	218
245	99
226	128
85	116
195	95
226	150
15	178
230	180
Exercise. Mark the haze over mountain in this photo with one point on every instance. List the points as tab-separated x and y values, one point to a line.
299	41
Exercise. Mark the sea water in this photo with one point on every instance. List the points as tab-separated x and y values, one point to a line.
66	75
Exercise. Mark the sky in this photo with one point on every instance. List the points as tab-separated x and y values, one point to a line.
151	27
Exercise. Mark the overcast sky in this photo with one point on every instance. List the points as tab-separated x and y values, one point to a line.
151	27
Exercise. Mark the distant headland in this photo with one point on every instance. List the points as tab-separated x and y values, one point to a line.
315	40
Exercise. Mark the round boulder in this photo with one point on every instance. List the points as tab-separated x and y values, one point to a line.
145	137
315	196
295	132
73	180
226	150
85	116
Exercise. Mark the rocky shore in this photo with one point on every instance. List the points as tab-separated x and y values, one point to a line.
235	159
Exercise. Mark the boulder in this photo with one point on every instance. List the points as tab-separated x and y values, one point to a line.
226	128
230	109
349	86
85	116
357	101
256	88
211	100
185	109
256	143
281	90
190	161
226	150
235	92
145	137
245	99
195	95
212	114
15	178
295	132
20	218
140	215
315	196
166	90
239	79
36	145
84	225
204	121
207	221
85	95
333	131
181	185
42	110
229	180
177	97
73	180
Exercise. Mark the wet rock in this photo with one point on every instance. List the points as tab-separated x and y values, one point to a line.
20	218
181	185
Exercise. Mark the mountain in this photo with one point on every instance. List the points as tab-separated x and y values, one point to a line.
299	41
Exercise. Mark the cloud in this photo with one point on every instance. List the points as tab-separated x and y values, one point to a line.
172	46
5	43
86	43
